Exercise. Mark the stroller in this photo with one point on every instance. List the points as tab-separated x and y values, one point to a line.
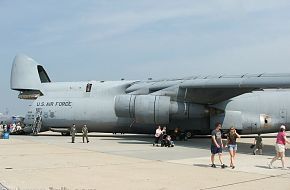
166	141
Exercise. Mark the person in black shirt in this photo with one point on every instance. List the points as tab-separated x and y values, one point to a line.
232	145
216	145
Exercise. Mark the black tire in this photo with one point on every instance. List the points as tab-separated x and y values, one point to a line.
65	133
189	134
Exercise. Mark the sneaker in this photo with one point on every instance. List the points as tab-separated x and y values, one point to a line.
223	166
213	166
233	167
270	166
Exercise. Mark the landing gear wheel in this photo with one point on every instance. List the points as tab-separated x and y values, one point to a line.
188	134
65	133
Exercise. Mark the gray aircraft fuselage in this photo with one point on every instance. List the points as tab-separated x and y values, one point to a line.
69	103
250	103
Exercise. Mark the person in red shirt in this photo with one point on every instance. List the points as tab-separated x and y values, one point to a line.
281	141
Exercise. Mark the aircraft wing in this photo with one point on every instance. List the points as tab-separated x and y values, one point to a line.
212	89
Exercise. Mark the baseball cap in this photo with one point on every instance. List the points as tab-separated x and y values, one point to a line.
283	127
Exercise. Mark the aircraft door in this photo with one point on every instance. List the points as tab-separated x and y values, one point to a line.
265	121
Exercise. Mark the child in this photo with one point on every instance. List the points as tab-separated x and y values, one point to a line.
169	141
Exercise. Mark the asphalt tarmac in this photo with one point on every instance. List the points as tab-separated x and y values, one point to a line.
50	161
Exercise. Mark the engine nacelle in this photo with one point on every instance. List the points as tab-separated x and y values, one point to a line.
149	109
146	109
184	110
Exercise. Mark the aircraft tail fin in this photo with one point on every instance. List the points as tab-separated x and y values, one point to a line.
27	76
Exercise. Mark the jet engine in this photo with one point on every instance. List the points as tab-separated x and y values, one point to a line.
149	109
143	108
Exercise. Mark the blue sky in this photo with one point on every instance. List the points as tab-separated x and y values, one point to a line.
109	40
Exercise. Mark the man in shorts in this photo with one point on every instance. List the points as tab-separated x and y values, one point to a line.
217	145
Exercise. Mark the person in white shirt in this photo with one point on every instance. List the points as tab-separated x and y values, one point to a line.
158	133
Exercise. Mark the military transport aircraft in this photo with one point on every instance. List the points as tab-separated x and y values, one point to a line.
250	103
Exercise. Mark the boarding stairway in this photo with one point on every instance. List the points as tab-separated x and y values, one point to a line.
37	125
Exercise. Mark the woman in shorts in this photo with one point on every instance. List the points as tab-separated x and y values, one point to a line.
281	141
232	145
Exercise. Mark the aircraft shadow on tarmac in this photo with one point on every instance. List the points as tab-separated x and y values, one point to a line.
197	142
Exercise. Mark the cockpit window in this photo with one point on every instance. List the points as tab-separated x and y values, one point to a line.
89	87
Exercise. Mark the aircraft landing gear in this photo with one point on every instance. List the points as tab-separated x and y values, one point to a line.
65	133
189	134
179	135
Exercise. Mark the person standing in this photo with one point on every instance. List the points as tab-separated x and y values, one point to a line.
281	141
5	128
158	133
232	145
258	144
73	133
163	134
216	145
164	131
1	131
85	133
35	125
